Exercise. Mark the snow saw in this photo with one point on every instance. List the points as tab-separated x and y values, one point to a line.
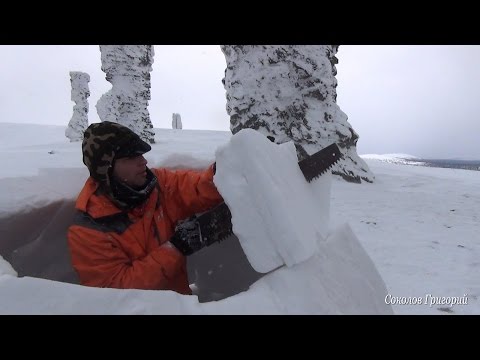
215	225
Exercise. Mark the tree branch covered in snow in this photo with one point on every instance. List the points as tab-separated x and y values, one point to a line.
289	94
128	68
80	93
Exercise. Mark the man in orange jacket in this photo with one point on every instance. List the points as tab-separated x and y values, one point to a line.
126	214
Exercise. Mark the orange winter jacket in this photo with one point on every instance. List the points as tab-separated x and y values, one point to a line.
115	249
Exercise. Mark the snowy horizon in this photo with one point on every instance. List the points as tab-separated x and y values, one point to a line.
383	157
414	229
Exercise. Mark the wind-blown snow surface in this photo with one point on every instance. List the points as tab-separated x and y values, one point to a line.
419	226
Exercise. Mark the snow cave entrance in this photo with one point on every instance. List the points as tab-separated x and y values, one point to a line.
34	242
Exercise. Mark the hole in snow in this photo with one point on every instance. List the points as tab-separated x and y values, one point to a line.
35	244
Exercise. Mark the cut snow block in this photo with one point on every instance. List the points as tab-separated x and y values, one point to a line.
348	275
276	213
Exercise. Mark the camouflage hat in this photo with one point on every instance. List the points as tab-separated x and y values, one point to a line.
106	141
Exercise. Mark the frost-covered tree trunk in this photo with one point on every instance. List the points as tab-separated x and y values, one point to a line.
80	93
176	121
127	68
289	93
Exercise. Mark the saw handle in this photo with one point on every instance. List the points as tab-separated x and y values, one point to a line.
187	238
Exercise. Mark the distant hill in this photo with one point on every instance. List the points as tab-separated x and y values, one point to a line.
406	159
454	164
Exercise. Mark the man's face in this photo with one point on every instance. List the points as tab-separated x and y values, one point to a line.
131	170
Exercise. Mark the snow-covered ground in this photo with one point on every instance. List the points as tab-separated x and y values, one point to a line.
417	226
421	226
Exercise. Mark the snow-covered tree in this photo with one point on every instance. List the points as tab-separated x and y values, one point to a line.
127	68
80	93
288	93
176	121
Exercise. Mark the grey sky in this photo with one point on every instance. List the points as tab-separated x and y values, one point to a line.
419	100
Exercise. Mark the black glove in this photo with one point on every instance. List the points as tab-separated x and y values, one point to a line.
187	236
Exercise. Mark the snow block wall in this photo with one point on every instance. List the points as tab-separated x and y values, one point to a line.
128	68
288	93
80	93
274	209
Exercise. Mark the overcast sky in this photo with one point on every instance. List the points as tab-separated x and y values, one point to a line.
419	100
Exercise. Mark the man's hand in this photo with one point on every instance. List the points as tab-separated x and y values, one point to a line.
187	237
